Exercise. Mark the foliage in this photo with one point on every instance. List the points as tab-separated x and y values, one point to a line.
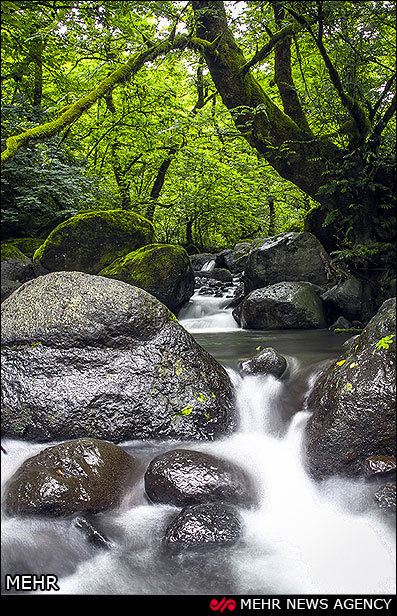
43	185
168	141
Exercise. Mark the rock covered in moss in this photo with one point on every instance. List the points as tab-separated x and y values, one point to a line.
164	270
286	257
90	241
85	355
27	245
353	402
284	305
84	475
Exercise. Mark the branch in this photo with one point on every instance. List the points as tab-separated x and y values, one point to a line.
76	110
356	112
260	55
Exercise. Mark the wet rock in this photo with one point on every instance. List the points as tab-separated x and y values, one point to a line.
284	305
83	475
286	257
234	259
353	402
218	273
267	361
352	298
16	268
205	526
385	497
379	466
84	355
93	535
201	260
341	323
183	477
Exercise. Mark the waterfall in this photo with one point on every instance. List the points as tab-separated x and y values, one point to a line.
300	538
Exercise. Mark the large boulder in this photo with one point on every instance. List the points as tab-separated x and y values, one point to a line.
90	241
286	257
353	402
285	305
164	270
184	477
234	259
85	355
352	299
83	475
205	526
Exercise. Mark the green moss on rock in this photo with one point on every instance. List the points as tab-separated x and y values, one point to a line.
92	240
27	245
164	270
11	252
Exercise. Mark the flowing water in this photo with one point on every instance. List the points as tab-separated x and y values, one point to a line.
302	538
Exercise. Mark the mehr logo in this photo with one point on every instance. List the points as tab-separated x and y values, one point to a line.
223	604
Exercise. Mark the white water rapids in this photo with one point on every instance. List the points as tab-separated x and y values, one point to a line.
302	538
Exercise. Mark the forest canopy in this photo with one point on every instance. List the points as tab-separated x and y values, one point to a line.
218	121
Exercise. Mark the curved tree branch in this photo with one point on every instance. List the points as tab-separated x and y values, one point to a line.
76	110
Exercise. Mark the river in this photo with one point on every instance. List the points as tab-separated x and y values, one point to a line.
302	538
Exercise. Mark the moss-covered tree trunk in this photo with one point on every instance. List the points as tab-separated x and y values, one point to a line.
282	137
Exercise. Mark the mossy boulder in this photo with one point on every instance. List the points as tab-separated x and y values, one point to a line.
27	245
90	241
87	356
164	270
83	475
353	403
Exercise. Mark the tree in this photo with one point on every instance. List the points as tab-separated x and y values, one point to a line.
326	128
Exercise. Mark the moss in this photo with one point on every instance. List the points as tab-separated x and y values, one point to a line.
92	240
160	269
27	245
9	251
149	267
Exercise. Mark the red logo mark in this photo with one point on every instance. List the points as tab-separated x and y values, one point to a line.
221	605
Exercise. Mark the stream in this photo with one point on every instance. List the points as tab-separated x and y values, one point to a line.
302	538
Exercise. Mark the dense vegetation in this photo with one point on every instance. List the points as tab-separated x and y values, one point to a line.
219	121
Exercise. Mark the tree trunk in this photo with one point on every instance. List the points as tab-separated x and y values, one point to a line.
290	148
159	183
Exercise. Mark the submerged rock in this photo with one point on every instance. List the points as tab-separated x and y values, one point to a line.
90	241
286	257
85	355
284	305
184	477
83	475
205	526
353	402
163	270
267	361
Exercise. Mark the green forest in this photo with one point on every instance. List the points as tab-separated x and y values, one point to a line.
218	121
198	301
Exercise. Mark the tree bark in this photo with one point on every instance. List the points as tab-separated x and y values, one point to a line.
291	149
